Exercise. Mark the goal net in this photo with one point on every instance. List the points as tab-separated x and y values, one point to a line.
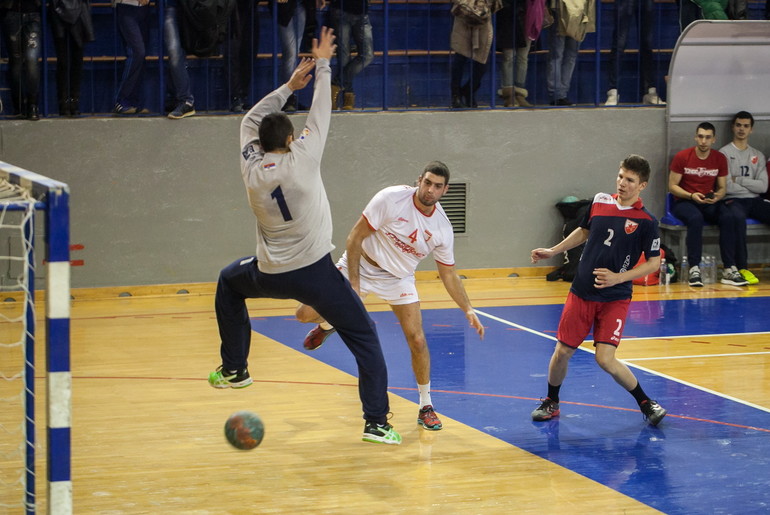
25	196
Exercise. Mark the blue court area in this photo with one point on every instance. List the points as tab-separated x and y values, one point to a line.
710	455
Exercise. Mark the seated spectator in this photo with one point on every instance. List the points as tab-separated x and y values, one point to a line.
21	26
746	182
350	21
698	180
72	27
133	19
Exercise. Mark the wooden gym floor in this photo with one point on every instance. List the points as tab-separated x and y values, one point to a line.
147	429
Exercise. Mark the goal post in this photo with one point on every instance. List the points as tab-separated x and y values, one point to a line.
51	197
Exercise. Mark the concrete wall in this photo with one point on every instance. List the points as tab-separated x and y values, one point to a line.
156	201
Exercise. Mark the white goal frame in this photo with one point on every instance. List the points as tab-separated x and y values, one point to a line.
51	197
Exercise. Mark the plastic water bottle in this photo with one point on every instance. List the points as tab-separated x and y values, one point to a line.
685	270
713	269
663	278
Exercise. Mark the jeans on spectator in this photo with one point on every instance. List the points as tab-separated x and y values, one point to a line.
515	75
562	54
357	27
742	208
134	26
177	59
694	216
291	38
69	68
625	13
22	32
241	47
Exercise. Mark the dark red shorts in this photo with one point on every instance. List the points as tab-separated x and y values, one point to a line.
578	316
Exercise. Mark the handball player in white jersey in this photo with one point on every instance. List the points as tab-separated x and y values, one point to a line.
399	227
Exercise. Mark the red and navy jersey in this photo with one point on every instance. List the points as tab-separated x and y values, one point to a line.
617	237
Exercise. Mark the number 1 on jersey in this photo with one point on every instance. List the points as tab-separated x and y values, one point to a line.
277	194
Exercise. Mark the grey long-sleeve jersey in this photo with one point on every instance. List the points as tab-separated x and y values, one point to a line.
748	172
286	193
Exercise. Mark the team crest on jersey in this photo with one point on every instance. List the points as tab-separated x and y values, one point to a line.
754	159
631	226
428	235
304	133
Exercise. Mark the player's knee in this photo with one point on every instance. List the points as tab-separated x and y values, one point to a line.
417	342
305	314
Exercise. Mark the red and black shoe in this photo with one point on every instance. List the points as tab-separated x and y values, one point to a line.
428	419
315	338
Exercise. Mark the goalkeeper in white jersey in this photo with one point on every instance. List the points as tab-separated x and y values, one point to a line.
400	226
294	240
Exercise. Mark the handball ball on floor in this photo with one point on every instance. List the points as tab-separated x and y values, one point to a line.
244	430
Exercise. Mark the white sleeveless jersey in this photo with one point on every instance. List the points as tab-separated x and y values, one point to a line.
404	235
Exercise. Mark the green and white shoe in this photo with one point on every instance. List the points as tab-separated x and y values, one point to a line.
380	433
220	378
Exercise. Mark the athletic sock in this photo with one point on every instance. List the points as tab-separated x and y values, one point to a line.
424	390
325	325
553	392
639	394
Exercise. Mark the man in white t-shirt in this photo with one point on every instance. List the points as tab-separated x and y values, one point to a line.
399	227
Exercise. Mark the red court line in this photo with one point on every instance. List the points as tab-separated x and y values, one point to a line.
453	392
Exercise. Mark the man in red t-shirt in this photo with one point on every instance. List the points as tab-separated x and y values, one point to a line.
698	179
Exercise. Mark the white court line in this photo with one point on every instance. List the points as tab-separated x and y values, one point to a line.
665	376
695	356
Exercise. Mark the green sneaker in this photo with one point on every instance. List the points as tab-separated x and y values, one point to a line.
221	379
751	278
380	433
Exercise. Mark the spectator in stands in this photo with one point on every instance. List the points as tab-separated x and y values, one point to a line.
181	90
692	10
512	40
567	32
71	27
240	52
350	21
21	29
133	19
625	12
698	180
746	182
292	15
470	44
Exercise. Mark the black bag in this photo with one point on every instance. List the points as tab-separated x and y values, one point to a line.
572	212
203	25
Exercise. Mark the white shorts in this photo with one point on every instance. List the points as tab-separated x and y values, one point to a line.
385	285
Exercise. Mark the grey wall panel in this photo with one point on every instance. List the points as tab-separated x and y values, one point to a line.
158	201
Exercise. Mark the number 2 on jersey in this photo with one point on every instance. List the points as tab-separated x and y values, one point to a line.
277	194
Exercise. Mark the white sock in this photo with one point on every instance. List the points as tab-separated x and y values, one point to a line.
325	325
424	390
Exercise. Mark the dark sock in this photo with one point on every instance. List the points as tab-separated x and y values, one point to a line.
639	394
553	392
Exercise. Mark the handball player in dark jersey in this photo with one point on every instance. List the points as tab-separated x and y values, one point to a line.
617	230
